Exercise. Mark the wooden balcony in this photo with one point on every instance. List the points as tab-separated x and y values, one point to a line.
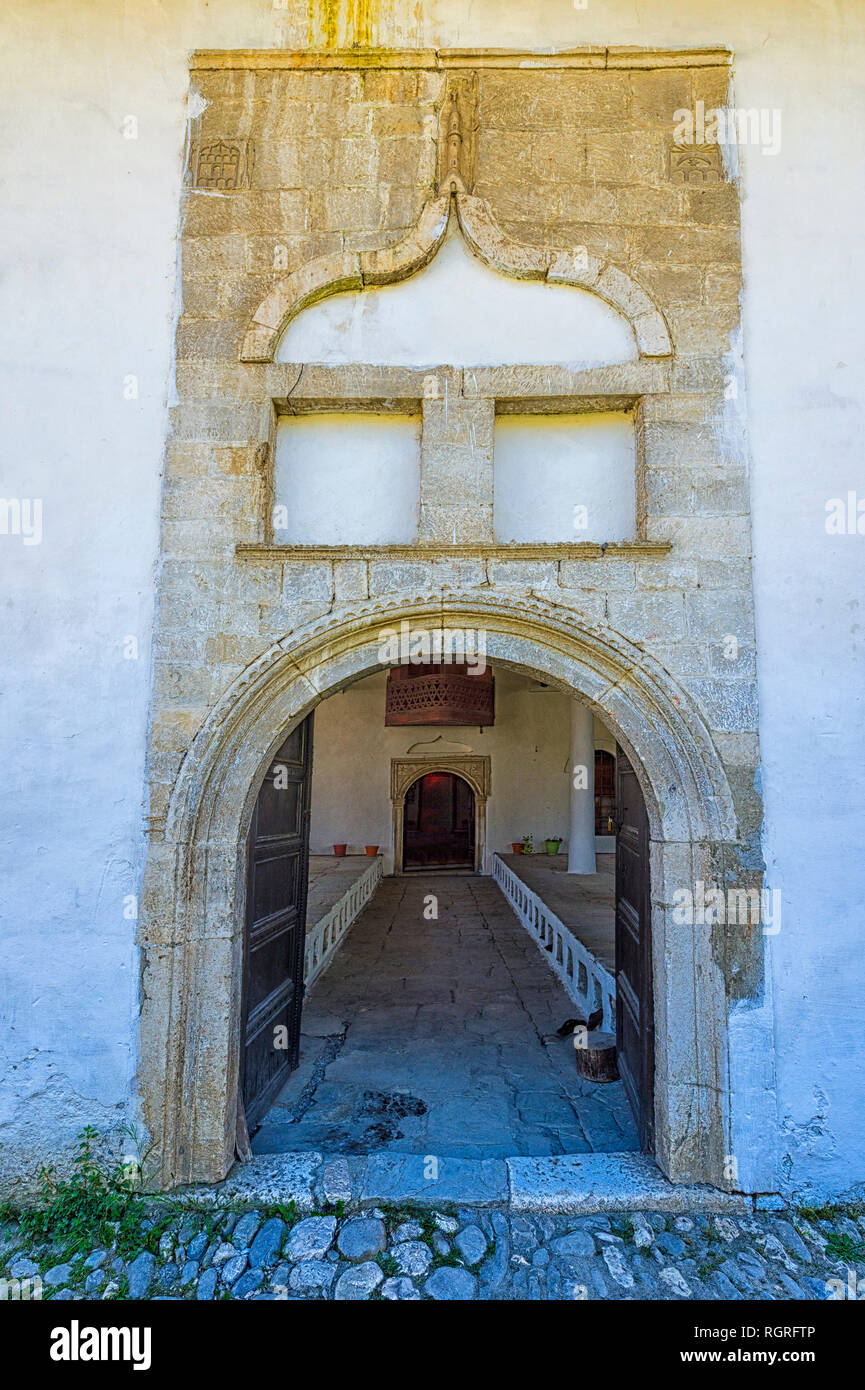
445	695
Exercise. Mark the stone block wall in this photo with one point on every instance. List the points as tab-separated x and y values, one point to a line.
301	168
337	160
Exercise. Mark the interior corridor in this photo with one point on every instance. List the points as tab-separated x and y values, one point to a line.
437	1035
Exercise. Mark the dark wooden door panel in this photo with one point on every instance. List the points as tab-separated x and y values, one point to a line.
635	1030
278	865
439	823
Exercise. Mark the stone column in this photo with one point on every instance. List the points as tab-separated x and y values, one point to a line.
581	842
456	469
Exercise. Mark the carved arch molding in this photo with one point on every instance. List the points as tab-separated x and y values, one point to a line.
475	769
359	270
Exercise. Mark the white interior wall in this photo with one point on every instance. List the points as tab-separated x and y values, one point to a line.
565	477
528	746
347	479
88	298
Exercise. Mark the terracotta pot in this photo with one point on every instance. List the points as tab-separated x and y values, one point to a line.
517	849
371	850
339	850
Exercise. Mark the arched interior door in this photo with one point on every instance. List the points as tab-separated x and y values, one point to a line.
439	823
277	876
635	1025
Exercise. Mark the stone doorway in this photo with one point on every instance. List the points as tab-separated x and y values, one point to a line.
438	1035
438	824
192	916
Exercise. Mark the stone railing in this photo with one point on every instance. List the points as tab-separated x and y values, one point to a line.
323	939
589	984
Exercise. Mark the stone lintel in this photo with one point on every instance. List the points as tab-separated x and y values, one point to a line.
442	59
578	550
515	388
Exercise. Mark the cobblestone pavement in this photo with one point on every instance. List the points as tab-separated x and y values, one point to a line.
412	1254
439	1036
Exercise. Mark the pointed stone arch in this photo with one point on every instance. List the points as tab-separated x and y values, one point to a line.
359	270
191	925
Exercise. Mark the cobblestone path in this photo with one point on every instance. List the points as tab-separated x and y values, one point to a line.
410	1254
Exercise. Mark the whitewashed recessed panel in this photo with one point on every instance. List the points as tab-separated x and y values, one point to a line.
347	479
565	477
460	313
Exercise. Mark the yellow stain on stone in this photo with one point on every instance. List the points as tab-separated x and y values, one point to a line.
345	23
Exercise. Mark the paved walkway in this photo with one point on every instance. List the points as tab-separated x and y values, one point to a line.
437	1036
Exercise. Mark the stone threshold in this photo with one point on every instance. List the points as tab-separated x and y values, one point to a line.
442	59
579	550
571	1184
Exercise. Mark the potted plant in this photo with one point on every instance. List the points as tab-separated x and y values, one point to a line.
553	843
372	850
339	850
528	844
517	846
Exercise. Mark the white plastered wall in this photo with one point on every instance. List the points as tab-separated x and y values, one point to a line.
471	317
565	477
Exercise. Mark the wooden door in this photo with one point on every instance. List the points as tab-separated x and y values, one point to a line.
635	1030
439	823
277	877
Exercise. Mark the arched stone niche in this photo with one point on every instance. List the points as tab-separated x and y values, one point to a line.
360	270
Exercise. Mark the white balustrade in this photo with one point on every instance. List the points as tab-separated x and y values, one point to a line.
586	980
324	938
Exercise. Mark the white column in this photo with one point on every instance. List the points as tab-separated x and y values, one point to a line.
581	841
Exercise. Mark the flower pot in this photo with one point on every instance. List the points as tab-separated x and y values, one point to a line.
339	850
517	849
372	850
552	846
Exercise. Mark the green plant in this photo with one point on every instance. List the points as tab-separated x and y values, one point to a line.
395	1215
528	844
845	1247
709	1265
92	1206
451	1260
388	1265
287	1211
336	1208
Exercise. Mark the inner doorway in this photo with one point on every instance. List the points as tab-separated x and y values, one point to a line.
439	823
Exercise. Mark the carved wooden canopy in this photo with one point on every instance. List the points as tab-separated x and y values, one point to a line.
443	695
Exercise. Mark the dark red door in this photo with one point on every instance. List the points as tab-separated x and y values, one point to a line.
439	823
635	1029
278	870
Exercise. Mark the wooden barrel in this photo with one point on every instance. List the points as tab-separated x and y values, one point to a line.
596	1056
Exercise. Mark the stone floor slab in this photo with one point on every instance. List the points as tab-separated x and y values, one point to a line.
439	1037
